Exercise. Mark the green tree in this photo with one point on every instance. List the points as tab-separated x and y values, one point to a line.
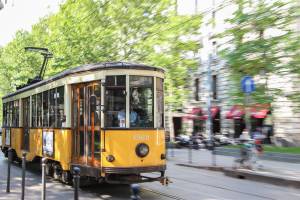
88	31
260	32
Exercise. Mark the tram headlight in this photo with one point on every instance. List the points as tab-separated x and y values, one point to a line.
142	150
110	158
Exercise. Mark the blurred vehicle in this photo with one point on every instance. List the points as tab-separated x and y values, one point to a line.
182	141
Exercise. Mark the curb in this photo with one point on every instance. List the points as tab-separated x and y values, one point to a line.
250	175
282	157
258	176
212	168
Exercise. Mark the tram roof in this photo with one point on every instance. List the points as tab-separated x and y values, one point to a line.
87	68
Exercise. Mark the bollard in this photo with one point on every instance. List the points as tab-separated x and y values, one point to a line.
135	190
23	174
76	181
190	151
44	160
8	170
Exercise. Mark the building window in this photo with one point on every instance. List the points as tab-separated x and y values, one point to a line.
160	102
115	101
141	101
197	89
214	87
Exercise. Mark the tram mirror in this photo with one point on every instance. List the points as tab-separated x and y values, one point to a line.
93	103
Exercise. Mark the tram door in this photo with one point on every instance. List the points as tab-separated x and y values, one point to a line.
86	123
26	123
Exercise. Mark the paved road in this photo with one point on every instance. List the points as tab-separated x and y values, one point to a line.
188	183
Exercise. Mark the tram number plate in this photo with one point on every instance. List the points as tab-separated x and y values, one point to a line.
141	137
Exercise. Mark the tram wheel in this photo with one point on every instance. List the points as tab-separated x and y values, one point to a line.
66	177
49	170
57	172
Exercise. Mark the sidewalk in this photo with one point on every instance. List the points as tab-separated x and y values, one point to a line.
271	171
33	185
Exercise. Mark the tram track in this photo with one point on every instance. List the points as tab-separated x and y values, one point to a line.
170	196
173	179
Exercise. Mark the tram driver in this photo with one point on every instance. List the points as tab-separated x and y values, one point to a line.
122	117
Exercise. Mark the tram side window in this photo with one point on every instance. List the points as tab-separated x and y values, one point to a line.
45	109
39	109
141	101
10	113
160	102
56	107
60	113
52	107
15	114
115	101
4	114
33	111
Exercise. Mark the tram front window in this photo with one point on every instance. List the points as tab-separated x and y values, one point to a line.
141	101
115	101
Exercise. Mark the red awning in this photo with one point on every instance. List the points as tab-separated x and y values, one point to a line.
259	114
214	111
195	114
236	112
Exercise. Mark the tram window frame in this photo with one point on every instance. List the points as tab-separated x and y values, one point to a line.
10	113
141	123
115	83
56	102
52	107
39	110
160	91
45	108
15	113
60	106
4	113
33	111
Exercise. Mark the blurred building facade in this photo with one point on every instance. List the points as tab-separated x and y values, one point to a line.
280	120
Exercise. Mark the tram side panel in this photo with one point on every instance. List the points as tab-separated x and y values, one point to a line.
63	147
122	145
16	140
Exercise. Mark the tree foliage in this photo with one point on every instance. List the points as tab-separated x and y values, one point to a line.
90	31
263	35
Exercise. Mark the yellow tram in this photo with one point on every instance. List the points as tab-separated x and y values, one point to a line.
107	119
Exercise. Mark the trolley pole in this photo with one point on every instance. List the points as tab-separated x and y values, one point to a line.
23	174
44	160
8	170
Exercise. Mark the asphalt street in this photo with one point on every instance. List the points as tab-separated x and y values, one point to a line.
187	183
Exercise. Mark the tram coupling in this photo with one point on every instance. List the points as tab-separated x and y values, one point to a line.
165	181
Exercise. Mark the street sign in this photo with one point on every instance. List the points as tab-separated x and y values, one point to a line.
247	84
